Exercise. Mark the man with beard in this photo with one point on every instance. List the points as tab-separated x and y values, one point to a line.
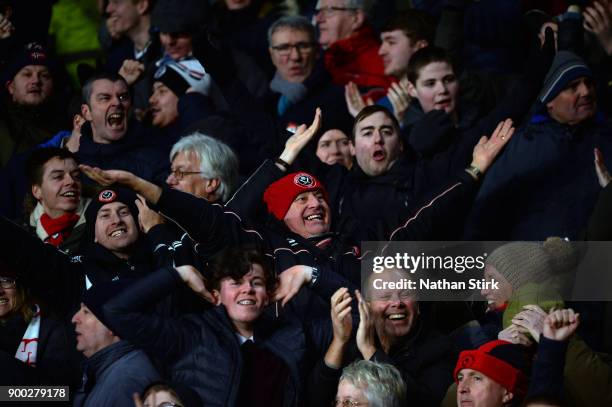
27	118
110	138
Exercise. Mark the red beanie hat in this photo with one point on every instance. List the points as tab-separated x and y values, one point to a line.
502	361
280	194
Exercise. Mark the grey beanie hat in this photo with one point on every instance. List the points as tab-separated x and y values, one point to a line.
524	262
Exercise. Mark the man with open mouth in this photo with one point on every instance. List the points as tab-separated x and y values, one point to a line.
111	138
179	98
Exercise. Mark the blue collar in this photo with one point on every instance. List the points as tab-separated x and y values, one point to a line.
545	118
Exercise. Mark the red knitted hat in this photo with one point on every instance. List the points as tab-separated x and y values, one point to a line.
280	194
502	361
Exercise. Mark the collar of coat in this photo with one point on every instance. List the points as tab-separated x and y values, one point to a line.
95	365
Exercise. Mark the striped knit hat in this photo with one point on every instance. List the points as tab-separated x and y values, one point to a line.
566	67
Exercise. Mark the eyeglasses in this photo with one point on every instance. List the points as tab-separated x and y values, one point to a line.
284	50
178	174
330	10
7	282
347	403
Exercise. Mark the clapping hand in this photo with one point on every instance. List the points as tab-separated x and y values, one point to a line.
531	319
342	321
366	333
354	101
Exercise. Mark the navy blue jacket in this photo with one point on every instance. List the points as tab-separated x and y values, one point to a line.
59	279
113	374
544	183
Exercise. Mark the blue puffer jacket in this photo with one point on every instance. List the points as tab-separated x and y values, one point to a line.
544	184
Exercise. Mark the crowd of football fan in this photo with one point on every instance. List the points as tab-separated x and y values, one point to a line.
185	186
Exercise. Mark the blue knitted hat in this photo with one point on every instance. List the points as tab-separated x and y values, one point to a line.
566	67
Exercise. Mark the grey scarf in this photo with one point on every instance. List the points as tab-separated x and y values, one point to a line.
294	92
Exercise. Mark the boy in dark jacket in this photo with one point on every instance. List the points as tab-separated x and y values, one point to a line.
232	354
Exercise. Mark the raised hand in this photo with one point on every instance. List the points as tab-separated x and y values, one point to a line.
560	324
598	20
532	319
603	175
366	333
131	70
6	27
107	177
192	277
302	136
488	148
400	98
290	282
354	101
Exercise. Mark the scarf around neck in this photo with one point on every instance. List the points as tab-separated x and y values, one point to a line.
56	231
291	92
28	347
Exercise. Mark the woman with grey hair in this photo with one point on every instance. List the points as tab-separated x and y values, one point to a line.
373	384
